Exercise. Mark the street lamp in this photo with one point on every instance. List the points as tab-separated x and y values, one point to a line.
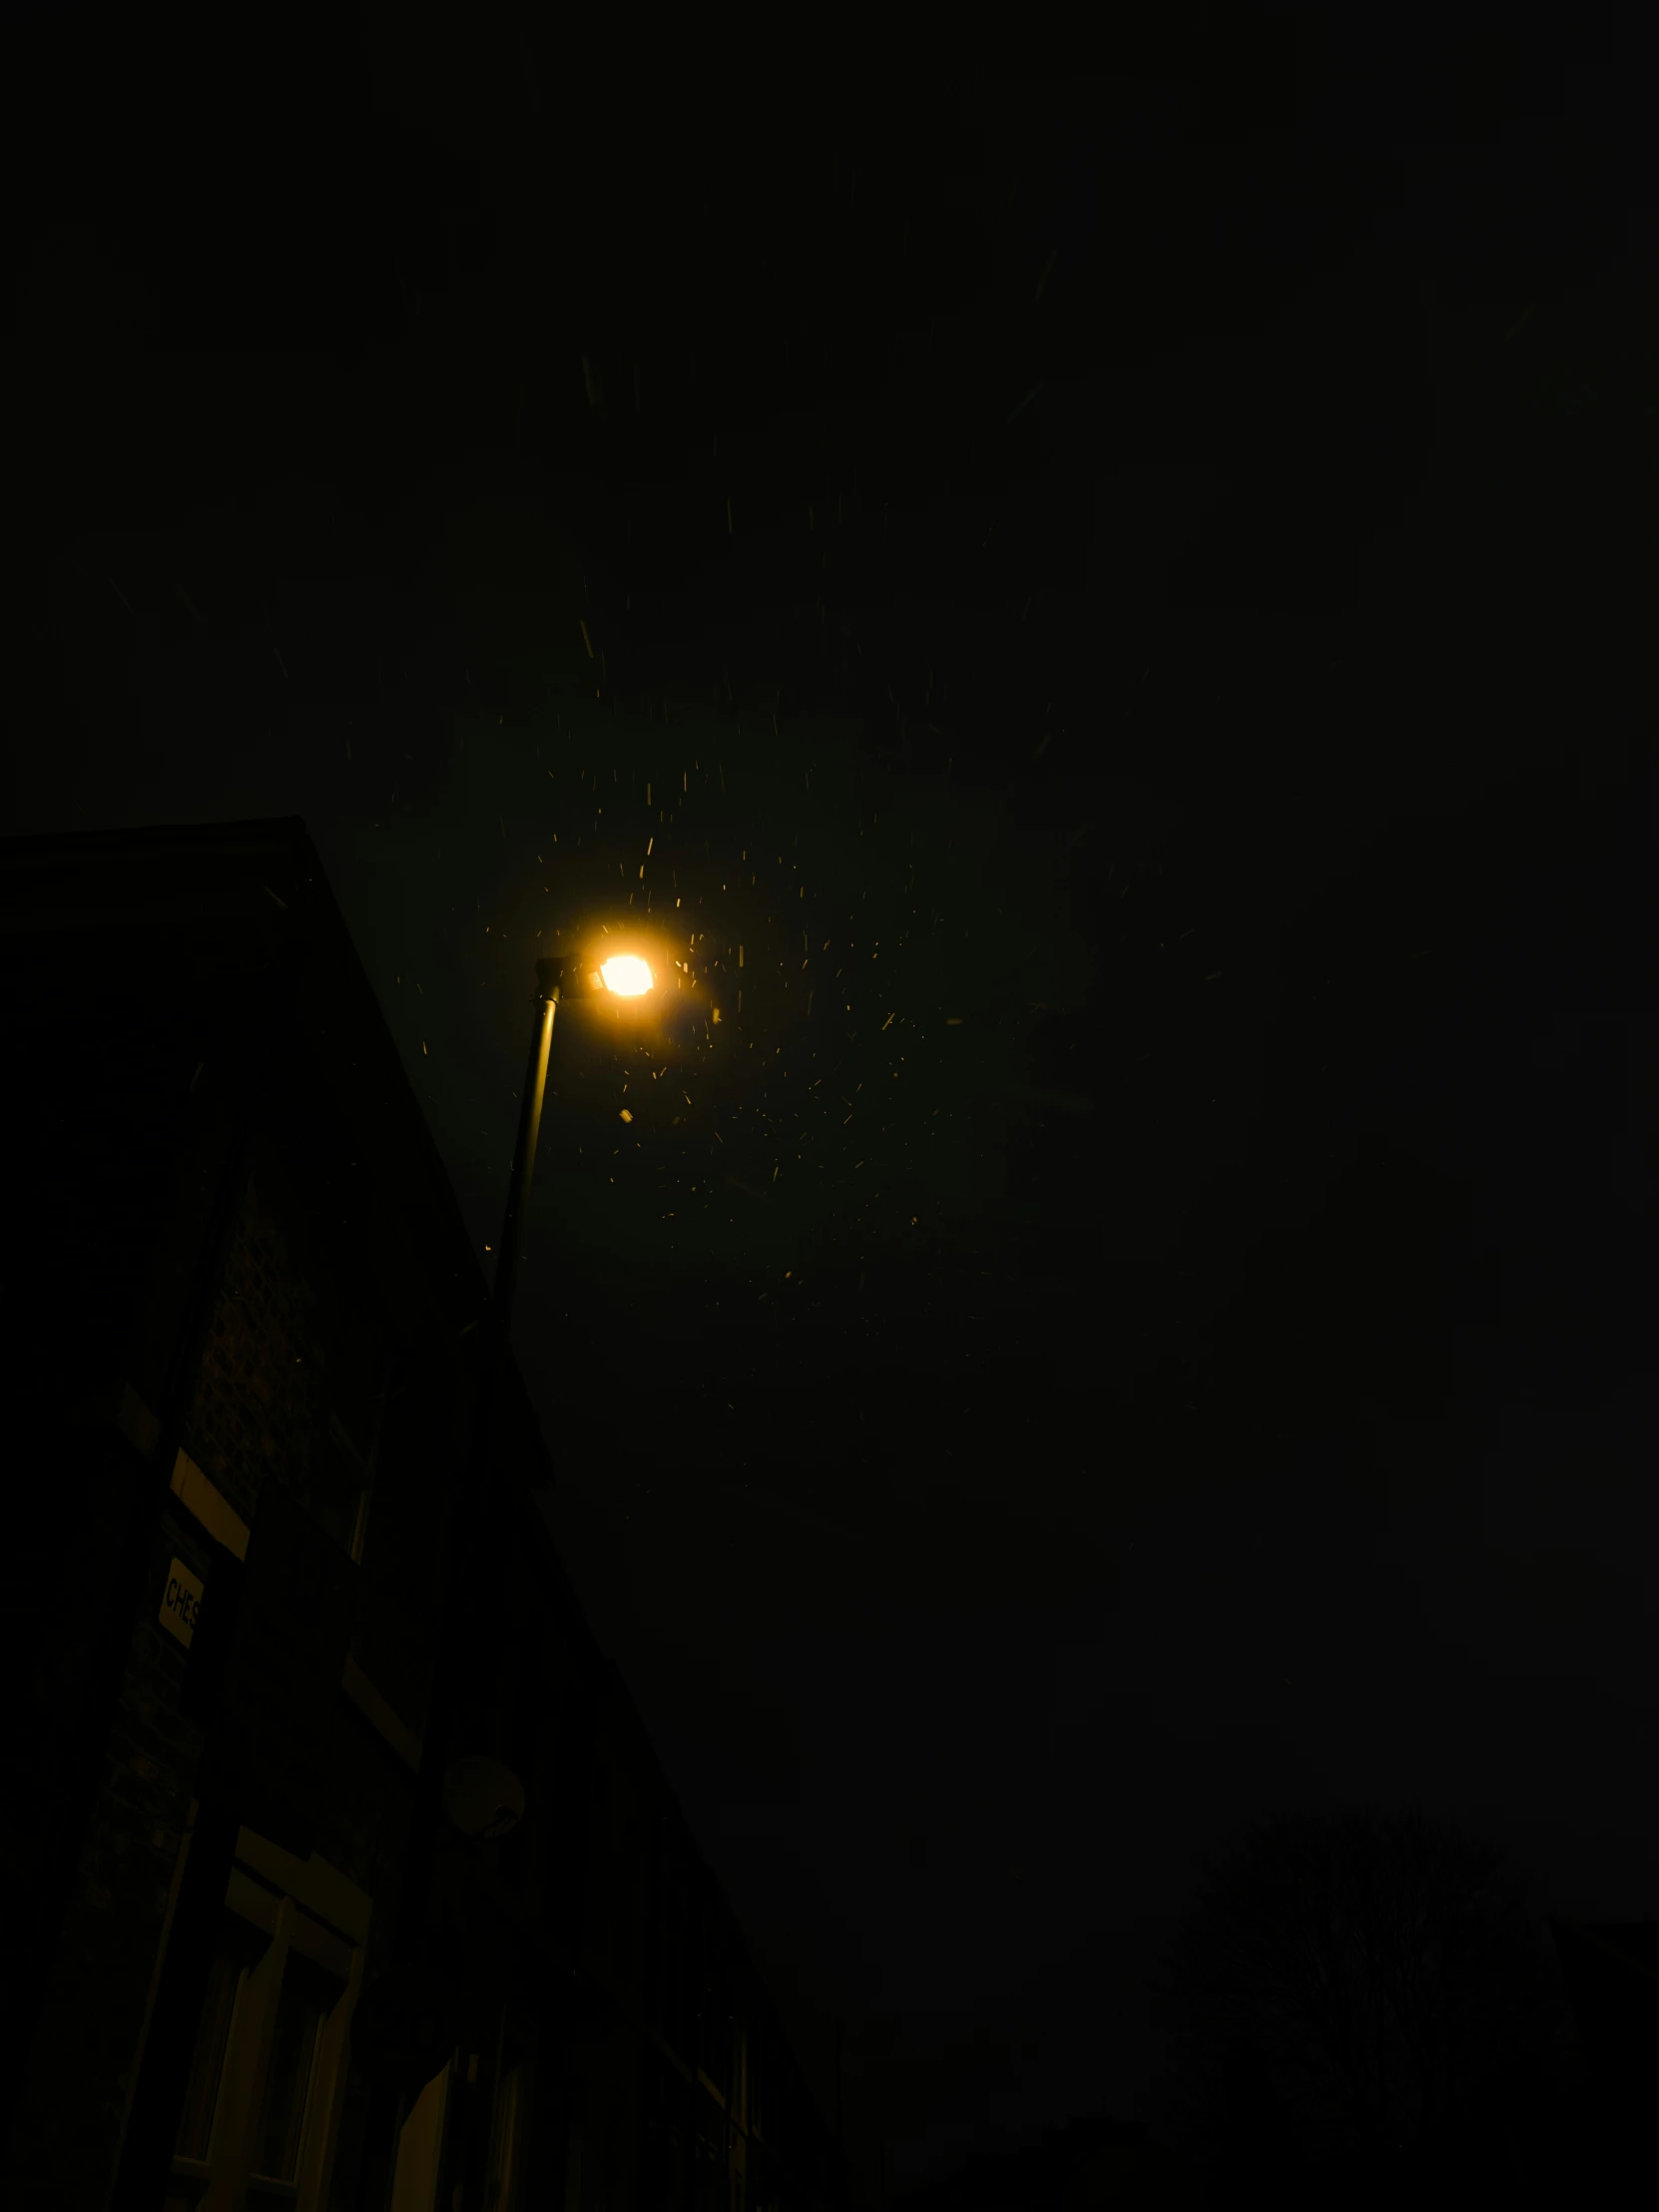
478	1797
621	976
626	974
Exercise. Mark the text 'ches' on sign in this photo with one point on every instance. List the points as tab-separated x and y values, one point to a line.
181	1602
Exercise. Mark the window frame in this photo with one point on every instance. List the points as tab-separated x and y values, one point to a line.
303	1907
511	2119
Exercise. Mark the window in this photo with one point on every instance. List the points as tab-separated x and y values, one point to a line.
417	2173
237	1953
260	2102
506	2183
710	2188
303	2006
713	2030
665	2166
223	2094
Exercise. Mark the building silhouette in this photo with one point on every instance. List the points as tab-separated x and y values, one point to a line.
240	1329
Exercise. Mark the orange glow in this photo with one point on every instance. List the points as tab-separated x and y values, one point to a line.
626	975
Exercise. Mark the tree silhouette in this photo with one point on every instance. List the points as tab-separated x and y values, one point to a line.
1341	1983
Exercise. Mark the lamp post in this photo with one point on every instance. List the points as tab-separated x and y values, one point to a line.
407	2021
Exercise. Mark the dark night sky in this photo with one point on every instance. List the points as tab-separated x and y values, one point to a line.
1130	600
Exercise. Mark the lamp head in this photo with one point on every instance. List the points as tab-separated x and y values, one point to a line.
620	975
626	975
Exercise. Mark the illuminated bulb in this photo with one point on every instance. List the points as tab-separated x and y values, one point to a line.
626	975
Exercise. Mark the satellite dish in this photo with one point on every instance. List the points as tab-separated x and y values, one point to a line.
482	1798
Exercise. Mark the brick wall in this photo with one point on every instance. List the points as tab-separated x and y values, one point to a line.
104	1122
292	1372
289	1389
67	2130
